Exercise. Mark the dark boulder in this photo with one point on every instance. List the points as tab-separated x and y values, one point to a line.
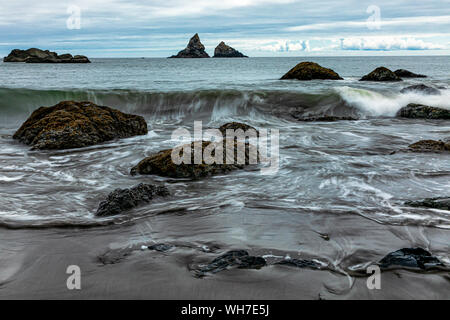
236	126
300	263
161	247
71	124
441	203
419	111
415	258
35	55
162	164
121	200
194	49
421	88
381	74
225	51
429	146
402	73
310	71
235	258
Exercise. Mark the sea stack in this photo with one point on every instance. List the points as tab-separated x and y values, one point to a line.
225	51
310	71
35	55
194	49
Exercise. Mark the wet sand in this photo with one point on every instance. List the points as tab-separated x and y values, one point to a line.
34	262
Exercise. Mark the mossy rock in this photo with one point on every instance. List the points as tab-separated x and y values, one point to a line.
430	146
381	74
419	111
310	71
71	124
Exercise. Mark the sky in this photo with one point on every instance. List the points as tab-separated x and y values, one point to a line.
160	28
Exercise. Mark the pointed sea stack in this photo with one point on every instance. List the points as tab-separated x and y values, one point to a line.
225	51
194	49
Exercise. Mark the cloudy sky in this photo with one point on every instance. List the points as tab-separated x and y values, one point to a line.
159	28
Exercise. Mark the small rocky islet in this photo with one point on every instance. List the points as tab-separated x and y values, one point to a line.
34	55
310	71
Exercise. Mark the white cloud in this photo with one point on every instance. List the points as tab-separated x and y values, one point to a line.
387	43
286	46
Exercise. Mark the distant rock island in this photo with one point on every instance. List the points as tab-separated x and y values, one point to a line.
194	49
35	55
225	51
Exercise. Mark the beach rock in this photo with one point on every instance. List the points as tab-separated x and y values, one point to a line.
121	200
419	111
161	247
300	263
402	73
381	74
35	55
225	51
235	126
442	203
421	88
162	164
310	71
235	258
71	124
195	49
416	258
429	146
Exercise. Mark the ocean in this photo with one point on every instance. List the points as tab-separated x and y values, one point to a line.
338	196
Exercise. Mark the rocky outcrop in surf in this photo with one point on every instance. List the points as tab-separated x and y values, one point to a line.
429	146
381	74
71	124
414	258
441	203
236	126
419	111
322	118
402	73
35	55
162	163
421	88
194	49
225	51
310	71
121	200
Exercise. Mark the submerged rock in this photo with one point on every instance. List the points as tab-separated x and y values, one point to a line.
125	199
161	247
421	88
224	51
71	124
434	203
429	146
310	71
420	111
35	55
162	164
416	258
300	263
408	74
235	258
194	49
323	118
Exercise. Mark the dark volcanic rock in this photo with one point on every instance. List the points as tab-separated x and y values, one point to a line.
402	73
416	258
224	51
71	124
125	199
300	263
420	111
162	164
381	74
429	146
195	49
310	71
235	258
422	89
434	203
35	55
235	126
